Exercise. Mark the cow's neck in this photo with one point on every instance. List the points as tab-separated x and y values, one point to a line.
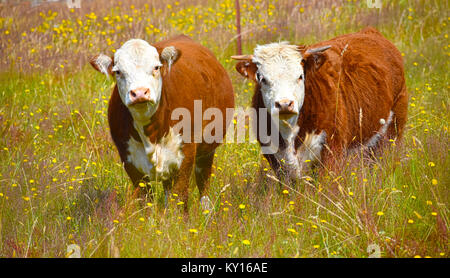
141	121
148	146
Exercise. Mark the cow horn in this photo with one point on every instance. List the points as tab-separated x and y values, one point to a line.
242	57
318	49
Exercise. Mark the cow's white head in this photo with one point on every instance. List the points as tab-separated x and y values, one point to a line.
279	69
137	67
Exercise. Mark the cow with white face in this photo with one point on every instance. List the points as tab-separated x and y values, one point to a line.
152	82
279	71
137	70
327	98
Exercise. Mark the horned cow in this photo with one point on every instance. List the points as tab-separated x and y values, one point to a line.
151	82
328	98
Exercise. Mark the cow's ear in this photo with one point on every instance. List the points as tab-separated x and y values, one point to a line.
247	69
169	55
102	63
314	58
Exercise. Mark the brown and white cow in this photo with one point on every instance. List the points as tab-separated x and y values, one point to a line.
152	82
343	93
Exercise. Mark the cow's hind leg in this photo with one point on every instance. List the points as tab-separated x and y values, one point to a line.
203	165
400	110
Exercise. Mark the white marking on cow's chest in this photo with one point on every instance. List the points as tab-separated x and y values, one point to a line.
162	159
139	158
287	156
310	151
296	162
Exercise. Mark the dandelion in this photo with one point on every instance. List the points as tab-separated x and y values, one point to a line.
293	231
380	213
285	192
141	219
316	246
116	221
246	242
434	182
410	221
431	164
242	206
68	218
193	231
141	184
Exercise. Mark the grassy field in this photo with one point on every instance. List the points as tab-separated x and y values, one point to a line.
61	181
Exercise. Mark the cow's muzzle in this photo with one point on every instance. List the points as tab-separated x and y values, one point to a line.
140	95
286	108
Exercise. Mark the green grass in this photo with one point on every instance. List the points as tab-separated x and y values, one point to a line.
61	181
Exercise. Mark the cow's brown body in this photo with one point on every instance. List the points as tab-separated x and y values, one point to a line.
361	81
196	75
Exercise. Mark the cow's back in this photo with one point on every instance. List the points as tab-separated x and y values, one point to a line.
366	72
196	75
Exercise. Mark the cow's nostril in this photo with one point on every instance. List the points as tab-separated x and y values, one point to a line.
147	92
132	93
277	105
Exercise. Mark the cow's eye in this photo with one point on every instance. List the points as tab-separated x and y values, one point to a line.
157	67
261	78
118	73
301	77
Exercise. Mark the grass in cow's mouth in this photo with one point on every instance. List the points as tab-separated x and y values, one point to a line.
61	182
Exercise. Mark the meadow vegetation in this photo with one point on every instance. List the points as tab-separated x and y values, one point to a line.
61	181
